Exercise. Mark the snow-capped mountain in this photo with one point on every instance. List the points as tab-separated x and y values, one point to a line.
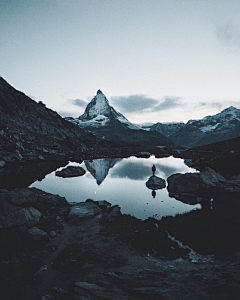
99	113
222	126
167	129
104	121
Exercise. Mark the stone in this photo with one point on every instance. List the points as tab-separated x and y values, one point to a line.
102	203
21	196
52	233
148	292
194	184
99	291
155	183
11	215
71	171
47	297
84	210
143	154
2	163
114	212
37	234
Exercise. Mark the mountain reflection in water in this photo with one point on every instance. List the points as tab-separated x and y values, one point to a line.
99	167
122	182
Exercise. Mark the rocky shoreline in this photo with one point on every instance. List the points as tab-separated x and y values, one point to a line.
53	250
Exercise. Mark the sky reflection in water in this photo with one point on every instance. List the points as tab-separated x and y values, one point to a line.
122	182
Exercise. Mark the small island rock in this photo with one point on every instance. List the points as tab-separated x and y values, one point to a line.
71	171
155	183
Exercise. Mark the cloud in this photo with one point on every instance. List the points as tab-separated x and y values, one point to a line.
67	114
131	170
169	103
215	105
229	34
133	103
78	102
140	103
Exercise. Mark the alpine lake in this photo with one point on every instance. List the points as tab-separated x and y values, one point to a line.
122	181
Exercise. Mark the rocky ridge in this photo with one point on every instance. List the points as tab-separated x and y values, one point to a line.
222	126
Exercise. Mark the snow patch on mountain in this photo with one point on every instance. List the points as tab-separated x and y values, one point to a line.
209	127
99	120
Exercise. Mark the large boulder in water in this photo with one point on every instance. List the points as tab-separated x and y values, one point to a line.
71	171
155	183
207	182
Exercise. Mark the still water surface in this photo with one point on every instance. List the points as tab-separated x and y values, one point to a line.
122	182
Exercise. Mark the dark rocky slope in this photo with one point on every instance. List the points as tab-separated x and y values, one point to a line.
223	157
31	131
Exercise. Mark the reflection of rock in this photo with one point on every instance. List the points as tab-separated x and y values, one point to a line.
155	183
188	186
71	171
99	167
143	154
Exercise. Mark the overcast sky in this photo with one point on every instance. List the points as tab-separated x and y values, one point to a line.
155	60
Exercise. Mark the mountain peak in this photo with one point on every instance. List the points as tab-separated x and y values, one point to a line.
99	92
230	108
98	108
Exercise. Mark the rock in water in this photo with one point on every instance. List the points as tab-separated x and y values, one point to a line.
155	183
71	171
195	184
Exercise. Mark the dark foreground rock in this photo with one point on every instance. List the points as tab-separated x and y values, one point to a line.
204	184
71	171
155	183
91	251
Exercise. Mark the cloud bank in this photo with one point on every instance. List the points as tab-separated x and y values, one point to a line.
141	103
78	102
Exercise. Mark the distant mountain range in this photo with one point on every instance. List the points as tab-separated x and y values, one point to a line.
104	120
28	128
222	126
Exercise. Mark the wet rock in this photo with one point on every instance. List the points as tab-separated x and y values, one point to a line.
143	154
99	291
52	233
2	163
114	212
103	204
48	297
71	171
155	183
11	215
37	234
148	292
21	197
83	210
